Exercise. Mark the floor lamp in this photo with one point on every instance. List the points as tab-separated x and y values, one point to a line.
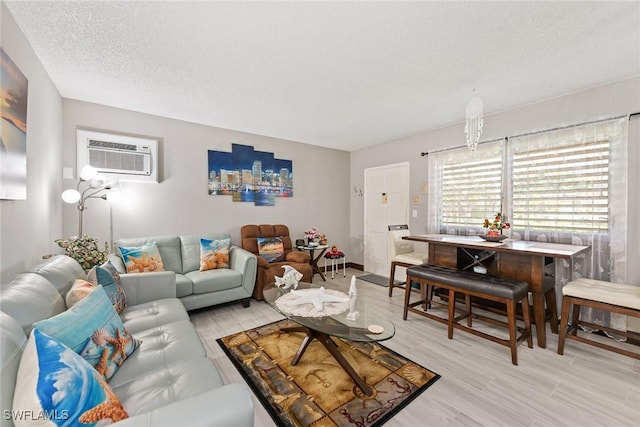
90	186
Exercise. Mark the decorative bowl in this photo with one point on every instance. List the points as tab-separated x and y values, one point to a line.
488	238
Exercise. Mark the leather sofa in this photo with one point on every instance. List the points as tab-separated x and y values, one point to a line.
181	258
266	270
167	381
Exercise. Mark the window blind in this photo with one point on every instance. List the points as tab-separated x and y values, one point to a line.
471	190
562	188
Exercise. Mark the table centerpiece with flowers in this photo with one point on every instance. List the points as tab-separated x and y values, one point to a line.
494	228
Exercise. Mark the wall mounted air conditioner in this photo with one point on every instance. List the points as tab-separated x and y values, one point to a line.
126	157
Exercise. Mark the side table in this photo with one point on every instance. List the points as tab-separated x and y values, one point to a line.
314	259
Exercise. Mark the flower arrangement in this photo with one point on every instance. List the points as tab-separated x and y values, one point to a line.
495	228
85	250
312	233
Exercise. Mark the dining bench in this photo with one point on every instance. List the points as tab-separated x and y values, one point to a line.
469	284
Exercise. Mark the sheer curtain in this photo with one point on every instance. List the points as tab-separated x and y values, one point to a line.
566	185
607	258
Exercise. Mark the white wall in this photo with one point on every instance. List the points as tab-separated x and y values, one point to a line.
180	203
28	227
609	100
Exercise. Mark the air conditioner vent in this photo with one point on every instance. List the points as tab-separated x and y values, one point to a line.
127	157
112	145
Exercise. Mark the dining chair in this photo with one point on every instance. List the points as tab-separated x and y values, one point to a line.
402	253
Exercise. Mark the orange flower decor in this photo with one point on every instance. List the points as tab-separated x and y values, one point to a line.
494	228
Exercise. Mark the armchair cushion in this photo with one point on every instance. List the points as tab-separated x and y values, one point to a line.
298	257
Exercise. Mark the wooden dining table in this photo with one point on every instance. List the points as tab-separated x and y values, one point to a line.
514	259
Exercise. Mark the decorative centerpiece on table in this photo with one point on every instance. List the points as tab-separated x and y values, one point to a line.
494	229
314	236
85	250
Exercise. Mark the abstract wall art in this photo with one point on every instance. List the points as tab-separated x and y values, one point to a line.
13	131
249	175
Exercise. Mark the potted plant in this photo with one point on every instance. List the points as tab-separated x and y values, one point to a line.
85	250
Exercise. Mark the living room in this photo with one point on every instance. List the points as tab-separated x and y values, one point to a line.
324	178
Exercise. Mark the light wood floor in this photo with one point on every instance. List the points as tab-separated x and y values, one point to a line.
586	386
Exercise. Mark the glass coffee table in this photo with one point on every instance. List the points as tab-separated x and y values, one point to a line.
331	321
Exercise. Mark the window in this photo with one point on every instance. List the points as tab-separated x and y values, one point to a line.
558	181
561	187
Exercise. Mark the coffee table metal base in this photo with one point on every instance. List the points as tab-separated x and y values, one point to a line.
332	348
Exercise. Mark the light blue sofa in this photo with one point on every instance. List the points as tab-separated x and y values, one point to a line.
167	381
196	289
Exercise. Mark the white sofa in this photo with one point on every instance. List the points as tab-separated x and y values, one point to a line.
196	289
167	381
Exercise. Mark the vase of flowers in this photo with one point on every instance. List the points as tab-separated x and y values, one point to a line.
85	250
494	228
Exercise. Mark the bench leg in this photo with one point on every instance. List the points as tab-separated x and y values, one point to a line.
452	312
564	320
575	317
513	340
467	304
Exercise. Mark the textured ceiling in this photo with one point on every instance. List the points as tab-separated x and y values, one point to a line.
344	75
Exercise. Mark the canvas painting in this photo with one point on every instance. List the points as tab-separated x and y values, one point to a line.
13	132
249	175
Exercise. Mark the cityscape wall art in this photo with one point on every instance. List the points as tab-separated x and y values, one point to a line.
249	176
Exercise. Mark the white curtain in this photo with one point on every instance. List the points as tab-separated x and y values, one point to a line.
607	258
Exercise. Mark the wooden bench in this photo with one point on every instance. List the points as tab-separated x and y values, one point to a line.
612	297
505	291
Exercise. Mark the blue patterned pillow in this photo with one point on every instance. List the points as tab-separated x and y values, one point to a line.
214	254
108	277
142	259
58	385
93	329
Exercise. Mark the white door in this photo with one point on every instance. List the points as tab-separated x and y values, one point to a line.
386	202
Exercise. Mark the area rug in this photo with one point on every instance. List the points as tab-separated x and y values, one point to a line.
377	279
317	392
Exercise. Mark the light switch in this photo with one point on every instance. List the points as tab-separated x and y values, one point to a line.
414	213
67	173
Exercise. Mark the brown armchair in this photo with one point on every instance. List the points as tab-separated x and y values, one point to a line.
268	270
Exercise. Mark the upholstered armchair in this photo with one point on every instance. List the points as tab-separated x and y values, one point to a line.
267	271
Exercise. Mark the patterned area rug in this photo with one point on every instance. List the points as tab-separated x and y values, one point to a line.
317	391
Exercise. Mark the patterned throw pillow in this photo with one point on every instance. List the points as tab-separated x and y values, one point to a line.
214	254
79	290
142	259
55	381
108	277
271	248
93	329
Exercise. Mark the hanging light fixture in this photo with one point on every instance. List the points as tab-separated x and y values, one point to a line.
473	123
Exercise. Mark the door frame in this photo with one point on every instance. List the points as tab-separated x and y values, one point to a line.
406	191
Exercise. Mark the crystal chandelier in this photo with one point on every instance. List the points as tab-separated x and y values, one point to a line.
473	123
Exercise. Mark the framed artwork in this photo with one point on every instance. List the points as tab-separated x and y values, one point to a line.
249	175
13	132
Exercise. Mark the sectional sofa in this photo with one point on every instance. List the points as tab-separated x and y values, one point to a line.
166	381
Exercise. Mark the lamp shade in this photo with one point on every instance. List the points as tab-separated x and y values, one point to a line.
88	173
70	196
